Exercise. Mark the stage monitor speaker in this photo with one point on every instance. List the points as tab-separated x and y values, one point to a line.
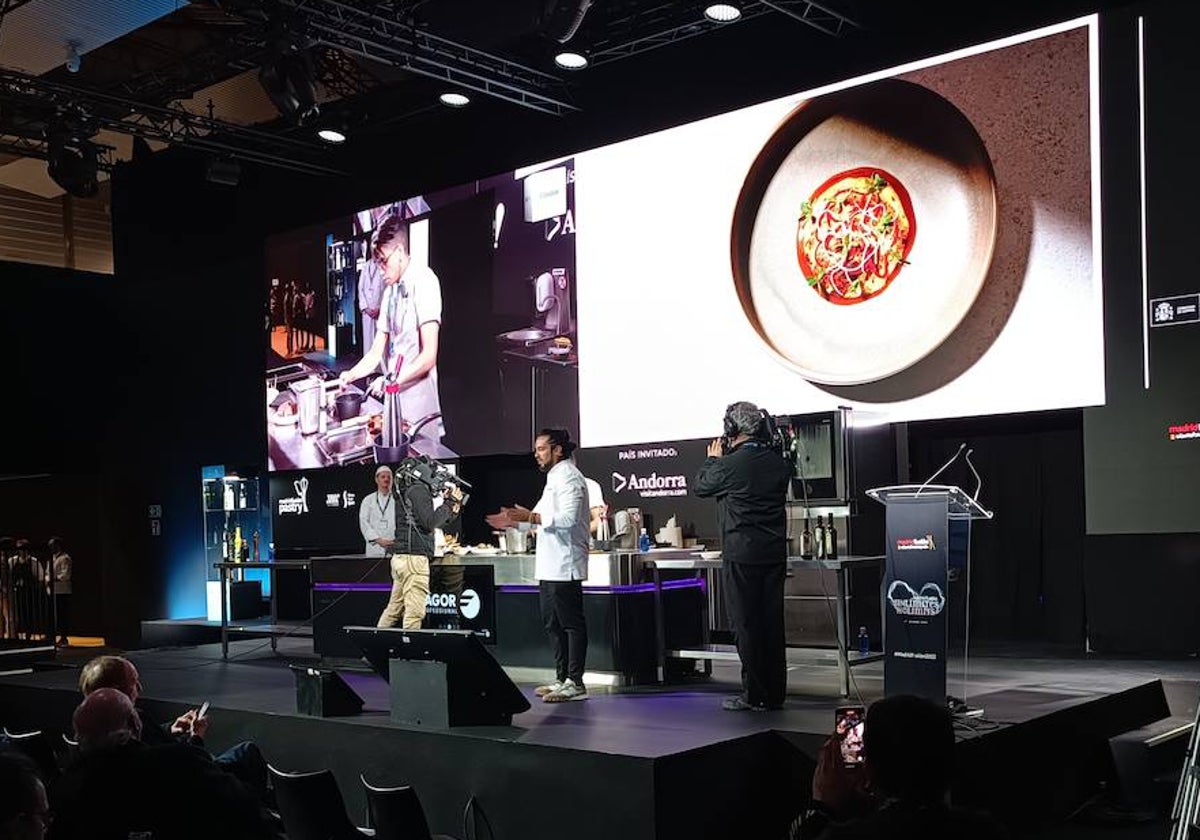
440	678
323	693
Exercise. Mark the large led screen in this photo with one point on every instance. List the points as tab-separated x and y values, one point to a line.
920	244
916	244
441	324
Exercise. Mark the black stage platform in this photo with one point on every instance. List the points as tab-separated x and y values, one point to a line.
651	763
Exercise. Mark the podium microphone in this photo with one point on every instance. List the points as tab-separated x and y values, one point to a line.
942	468
974	472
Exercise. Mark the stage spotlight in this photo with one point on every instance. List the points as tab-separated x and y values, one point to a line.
564	19
288	81
722	13
455	100
73	58
73	164
568	60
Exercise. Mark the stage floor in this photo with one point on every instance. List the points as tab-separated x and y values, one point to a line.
670	756
647	721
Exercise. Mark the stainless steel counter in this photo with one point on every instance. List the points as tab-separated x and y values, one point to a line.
609	568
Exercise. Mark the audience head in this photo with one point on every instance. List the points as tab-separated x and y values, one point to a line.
22	546
24	810
105	717
909	748
55	544
111	672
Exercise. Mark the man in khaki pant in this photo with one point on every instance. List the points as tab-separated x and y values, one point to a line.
410	587
416	520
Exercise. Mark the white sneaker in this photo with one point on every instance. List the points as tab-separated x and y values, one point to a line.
569	691
543	690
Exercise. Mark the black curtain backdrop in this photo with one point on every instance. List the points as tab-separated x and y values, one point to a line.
1027	564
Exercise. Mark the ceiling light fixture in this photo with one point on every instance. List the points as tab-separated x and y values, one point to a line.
288	81
722	13
455	100
571	60
73	163
332	135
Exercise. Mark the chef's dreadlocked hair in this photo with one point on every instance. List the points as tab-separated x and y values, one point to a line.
559	437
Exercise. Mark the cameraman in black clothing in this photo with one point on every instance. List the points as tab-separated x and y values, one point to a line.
416	520
749	479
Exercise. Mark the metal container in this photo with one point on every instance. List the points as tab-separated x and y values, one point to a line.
308	398
515	541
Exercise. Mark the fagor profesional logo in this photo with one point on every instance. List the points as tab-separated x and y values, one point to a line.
924	543
469	604
296	504
907	601
650	486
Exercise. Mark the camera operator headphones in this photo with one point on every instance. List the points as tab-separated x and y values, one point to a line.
764	430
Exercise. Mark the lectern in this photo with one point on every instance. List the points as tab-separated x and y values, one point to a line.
917	557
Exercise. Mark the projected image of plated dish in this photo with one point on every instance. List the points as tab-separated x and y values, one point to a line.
828	264
854	234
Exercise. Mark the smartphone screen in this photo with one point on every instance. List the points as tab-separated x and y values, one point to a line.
203	710
849	725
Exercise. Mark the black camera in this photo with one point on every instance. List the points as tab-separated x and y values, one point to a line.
433	474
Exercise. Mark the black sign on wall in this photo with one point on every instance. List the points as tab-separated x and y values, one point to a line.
914	596
657	478
315	512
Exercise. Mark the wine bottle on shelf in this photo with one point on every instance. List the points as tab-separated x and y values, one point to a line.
228	496
806	546
237	544
254	555
225	544
831	539
819	539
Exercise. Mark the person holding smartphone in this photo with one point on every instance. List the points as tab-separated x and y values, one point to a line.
898	784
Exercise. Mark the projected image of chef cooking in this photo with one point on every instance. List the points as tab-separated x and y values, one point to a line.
405	348
447	326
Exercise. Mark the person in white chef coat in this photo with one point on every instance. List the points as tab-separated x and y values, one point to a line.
407	334
377	515
561	559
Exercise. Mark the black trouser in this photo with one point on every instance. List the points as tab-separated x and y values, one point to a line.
754	598
62	614
562	614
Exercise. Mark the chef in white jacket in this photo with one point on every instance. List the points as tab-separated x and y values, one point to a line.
377	515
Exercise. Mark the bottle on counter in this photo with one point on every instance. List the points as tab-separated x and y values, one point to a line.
237	544
643	541
864	641
806	541
254	554
819	539
225	544
831	539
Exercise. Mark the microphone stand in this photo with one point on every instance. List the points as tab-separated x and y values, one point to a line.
942	468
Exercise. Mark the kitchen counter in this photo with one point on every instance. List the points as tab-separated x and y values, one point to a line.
345	443
539	354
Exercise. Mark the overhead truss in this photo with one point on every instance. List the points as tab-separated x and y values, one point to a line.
29	94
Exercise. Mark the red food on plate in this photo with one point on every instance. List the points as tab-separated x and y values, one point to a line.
854	234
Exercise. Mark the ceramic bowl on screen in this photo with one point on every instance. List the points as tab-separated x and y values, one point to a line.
864	231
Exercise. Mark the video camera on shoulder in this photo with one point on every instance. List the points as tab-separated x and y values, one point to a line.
433	474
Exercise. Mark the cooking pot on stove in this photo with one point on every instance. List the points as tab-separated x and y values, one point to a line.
396	454
348	404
